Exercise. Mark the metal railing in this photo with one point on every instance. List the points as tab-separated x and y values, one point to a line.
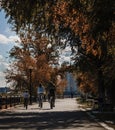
9	101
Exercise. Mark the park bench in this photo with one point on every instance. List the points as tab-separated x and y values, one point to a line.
93	103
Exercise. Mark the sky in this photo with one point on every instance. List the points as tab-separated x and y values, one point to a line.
7	41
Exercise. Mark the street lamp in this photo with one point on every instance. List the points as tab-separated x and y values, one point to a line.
30	83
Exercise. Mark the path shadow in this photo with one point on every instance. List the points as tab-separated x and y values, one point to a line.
43	121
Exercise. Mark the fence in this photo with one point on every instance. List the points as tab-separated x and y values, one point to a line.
9	101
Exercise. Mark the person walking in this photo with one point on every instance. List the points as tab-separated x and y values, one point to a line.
71	94
26	98
51	94
40	93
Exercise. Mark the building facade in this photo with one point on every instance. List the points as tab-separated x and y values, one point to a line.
71	87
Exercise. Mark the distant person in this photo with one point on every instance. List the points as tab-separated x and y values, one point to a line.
51	92
26	98
40	93
100	102
71	94
40	89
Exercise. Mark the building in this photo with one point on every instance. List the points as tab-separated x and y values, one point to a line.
71	87
4	90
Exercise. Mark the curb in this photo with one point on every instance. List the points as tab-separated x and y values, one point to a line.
97	120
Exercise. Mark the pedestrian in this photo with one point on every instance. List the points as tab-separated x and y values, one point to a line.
40	89
51	92
26	98
71	94
100	102
40	93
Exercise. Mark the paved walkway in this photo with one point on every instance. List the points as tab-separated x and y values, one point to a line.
65	116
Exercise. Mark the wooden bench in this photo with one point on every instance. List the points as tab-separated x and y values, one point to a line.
92	103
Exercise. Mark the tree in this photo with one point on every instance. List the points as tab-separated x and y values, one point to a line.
61	83
87	26
33	52
93	31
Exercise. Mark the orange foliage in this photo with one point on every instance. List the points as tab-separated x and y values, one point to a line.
33	52
60	85
79	24
87	83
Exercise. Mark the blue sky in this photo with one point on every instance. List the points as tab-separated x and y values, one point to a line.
7	41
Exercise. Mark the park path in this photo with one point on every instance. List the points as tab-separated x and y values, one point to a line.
66	115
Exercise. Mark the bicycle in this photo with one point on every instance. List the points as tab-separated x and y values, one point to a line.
40	98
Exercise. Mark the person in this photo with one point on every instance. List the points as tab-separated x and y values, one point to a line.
40	93
26	97
51	92
100	102
71	94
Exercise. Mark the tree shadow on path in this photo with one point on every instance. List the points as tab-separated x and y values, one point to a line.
44	120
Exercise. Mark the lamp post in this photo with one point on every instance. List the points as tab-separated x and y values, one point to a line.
30	84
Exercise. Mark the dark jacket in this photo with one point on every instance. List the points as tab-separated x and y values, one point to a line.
51	89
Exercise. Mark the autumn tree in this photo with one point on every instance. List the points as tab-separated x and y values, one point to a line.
61	84
32	52
91	33
87	26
